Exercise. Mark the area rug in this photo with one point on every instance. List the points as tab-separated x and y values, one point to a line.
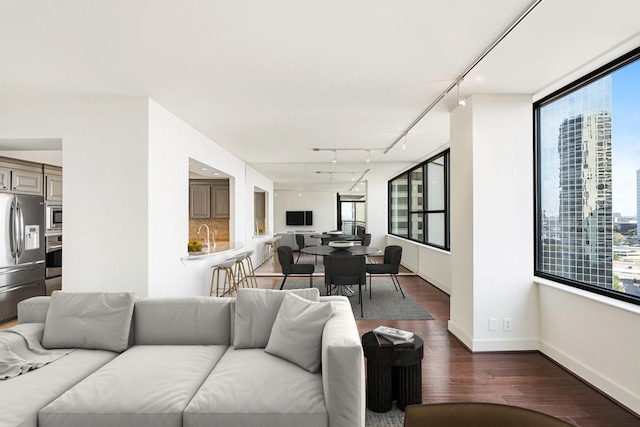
385	304
393	418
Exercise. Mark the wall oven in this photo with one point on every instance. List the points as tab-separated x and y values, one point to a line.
53	218
53	256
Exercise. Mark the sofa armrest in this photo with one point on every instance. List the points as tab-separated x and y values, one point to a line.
33	310
343	375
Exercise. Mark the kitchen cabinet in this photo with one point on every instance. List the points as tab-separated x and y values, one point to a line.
20	177
5	179
199	201
220	201
52	184
208	199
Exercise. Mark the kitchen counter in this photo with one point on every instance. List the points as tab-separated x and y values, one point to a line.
219	248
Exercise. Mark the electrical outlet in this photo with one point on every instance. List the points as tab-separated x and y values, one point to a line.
507	323
493	324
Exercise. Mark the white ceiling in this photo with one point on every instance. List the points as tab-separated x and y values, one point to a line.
271	80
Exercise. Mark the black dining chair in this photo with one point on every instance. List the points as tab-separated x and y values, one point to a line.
390	266
285	256
341	270
301	245
366	241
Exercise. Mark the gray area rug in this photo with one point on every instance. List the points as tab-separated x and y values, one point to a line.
385	304
393	418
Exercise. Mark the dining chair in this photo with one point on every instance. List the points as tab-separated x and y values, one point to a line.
285	257
341	270
390	265
301	245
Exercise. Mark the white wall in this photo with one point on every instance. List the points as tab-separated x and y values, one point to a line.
593	336
172	142
126	191
491	204
323	204
105	189
376	213
51	157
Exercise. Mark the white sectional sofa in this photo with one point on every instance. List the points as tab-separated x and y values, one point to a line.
265	358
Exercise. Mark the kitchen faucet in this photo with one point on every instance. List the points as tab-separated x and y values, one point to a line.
206	237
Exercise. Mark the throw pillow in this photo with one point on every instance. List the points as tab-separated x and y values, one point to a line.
256	310
97	321
297	332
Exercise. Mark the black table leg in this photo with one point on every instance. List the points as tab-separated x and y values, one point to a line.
408	385
378	387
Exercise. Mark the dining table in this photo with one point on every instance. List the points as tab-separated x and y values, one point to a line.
327	237
326	250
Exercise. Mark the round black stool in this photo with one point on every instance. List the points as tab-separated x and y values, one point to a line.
393	373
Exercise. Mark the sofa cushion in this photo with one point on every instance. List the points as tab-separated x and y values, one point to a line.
182	320
144	386
33	310
297	331
27	394
97	320
252	388
256	310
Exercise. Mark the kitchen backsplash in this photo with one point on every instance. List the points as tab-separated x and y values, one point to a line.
220	227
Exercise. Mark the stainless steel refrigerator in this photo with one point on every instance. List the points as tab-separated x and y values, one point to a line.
22	251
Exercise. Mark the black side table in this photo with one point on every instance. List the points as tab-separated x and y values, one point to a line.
393	373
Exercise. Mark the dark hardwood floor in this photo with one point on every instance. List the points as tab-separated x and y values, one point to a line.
451	373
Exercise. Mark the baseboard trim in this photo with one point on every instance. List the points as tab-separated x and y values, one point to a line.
622	396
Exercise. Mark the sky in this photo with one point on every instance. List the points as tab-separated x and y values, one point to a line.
625	135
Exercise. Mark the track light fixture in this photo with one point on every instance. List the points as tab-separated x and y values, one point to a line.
335	152
404	144
461	100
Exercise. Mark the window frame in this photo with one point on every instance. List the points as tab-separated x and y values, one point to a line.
576	85
424	212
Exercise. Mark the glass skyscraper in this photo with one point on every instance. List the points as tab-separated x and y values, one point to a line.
577	210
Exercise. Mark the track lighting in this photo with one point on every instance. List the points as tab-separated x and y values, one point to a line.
368	156
335	156
461	100
404	144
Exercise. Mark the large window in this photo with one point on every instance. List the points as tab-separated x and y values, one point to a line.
419	203
588	177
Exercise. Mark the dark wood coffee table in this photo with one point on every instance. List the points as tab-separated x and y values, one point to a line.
393	373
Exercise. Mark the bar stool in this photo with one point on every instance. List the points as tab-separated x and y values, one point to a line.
251	272
229	284
269	248
239	270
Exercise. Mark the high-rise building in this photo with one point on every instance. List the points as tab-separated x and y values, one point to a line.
585	216
638	203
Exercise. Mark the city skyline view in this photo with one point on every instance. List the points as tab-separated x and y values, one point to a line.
623	88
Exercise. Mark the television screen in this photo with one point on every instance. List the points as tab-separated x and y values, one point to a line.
299	218
295	217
